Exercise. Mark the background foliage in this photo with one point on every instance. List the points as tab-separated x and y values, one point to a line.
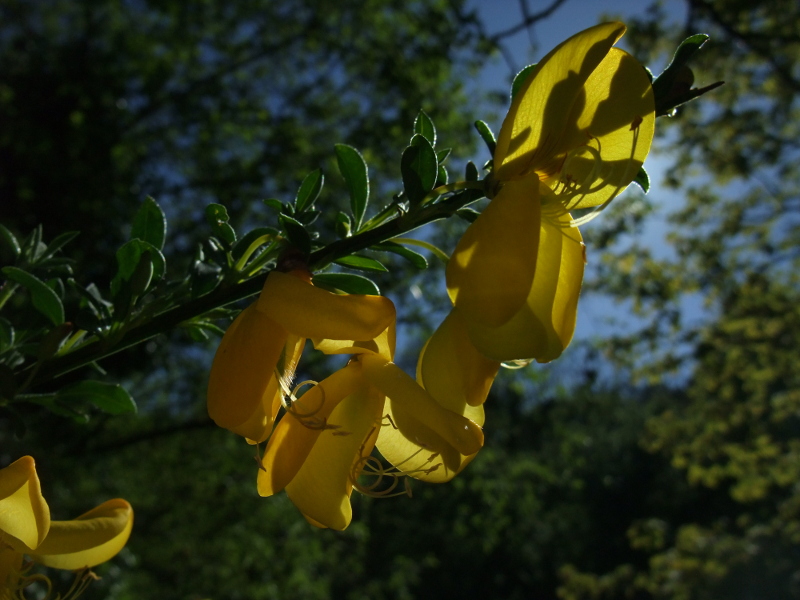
665	467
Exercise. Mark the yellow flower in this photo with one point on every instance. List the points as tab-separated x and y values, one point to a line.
321	449
575	136
26	528
255	362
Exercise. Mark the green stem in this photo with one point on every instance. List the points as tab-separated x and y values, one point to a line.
98	349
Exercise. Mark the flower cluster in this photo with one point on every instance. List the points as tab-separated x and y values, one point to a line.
576	135
26	529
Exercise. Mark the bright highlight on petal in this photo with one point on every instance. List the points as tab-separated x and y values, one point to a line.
531	135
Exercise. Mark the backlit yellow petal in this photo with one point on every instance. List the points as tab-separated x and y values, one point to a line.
243	366
383	345
296	434
491	269
418	451
459	432
453	371
312	312
322	487
539	113
24	514
89	540
617	121
544	326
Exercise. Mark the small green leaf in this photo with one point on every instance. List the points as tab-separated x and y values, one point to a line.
204	278
59	241
274	204
347	282
45	300
419	168
217	217
309	190
441	155
251	236
362	263
128	258
642	180
441	176
520	79
471	172
356	176
486	135
425	127
10	241
343	228
416	259
108	397
150	224
297	234
669	88
468	214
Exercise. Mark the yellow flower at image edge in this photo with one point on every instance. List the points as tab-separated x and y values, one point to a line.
255	362
575	136
26	529
321	449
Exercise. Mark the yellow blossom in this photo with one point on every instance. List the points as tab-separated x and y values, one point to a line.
26	529
255	362
321	449
575	136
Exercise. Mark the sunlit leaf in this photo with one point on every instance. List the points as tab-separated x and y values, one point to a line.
519	80
363	263
425	127
419	168
347	282
487	136
416	259
150	224
353	168
309	190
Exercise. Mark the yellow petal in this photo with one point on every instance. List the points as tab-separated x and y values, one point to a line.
24	514
535	123
322	487
312	312
243	366
617	120
491	269
89	540
459	432
383	345
544	326
297	432
453	371
416	450
257	429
